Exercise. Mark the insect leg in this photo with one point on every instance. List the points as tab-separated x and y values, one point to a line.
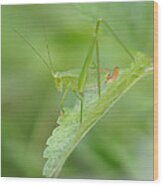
98	57
118	40
88	61
81	98
81	109
63	99
84	72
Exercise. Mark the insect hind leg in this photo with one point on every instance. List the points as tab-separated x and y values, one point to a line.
81	99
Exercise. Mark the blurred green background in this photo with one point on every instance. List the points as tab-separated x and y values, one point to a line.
121	144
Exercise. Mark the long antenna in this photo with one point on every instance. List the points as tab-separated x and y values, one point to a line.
48	50
34	49
118	40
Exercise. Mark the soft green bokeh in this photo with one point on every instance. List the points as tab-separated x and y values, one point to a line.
121	145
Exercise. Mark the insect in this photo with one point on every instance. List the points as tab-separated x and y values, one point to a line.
66	81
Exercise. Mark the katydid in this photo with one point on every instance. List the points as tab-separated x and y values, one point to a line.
65	81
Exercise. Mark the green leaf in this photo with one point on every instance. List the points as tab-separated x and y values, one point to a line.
70	132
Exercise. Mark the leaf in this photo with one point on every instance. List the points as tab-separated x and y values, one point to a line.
70	132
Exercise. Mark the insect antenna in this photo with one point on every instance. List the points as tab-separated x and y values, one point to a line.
34	49
48	51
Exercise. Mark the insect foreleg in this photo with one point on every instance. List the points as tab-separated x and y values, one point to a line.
63	98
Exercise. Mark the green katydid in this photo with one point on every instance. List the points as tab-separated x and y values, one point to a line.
66	80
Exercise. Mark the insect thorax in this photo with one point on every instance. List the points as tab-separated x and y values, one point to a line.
64	80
